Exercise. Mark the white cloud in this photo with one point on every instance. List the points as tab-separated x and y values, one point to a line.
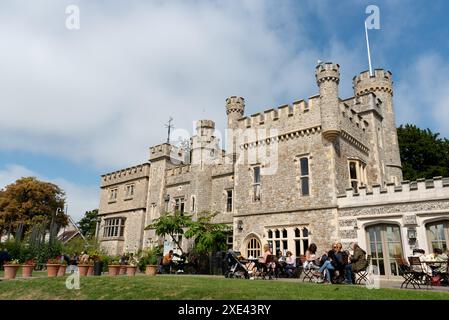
101	95
79	198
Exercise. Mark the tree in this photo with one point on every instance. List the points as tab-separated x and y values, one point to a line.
171	225
88	224
208	236
29	201
423	153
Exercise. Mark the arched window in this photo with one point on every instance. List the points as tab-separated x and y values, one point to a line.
278	234
305	233
270	234
284	233
301	241
297	233
253	248
438	235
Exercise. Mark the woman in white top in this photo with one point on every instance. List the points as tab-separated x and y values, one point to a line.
311	258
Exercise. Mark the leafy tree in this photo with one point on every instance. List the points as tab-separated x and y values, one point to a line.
88	224
423	153
208	236
29	201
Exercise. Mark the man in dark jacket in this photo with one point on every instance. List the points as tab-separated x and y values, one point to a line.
358	263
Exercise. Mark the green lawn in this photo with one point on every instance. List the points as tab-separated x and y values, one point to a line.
196	287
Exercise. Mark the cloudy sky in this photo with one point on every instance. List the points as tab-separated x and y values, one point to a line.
75	104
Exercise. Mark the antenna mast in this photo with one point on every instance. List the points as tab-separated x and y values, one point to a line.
169	126
369	54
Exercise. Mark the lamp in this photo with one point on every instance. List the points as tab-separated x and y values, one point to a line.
411	234
240	225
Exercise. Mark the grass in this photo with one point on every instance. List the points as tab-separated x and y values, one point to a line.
197	287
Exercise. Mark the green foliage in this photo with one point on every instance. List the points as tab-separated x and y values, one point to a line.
88	223
149	256
78	244
423	153
171	225
209	237
23	251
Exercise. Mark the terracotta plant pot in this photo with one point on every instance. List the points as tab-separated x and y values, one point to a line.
10	271
61	271
122	270
114	269
27	270
90	271
131	270
151	270
83	269
52	269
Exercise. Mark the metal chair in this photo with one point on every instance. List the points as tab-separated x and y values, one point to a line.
362	275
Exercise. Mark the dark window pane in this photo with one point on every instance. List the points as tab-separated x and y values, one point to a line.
256	174
305	186
284	233
352	170
305	244
305	232
304	166
284	244
298	247
278	234
270	234
297	233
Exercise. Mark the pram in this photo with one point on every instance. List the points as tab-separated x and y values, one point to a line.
236	268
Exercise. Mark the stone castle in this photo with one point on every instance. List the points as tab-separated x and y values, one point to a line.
321	170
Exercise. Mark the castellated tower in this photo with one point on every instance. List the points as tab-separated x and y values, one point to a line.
235	107
204	144
381	85
328	78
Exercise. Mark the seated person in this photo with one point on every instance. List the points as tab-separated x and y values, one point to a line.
358	263
167	261
421	254
312	261
290	265
438	256
263	259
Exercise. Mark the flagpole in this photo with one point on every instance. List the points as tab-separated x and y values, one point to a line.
369	54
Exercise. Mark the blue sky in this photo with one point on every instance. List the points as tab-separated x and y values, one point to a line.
75	104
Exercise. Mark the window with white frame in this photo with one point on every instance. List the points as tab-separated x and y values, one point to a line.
229	200
304	176
129	190
357	174
256	183
253	248
301	239
179	205
114	227
113	194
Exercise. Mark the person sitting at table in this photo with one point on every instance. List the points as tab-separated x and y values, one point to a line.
421	254
439	256
263	259
167	261
290	265
358	263
312	261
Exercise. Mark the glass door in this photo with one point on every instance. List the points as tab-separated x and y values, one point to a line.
384	245
438	235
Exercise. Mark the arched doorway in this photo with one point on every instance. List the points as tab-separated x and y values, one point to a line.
438	235
384	244
253	247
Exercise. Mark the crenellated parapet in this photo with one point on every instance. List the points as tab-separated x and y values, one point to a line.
421	189
125	175
178	175
299	113
166	151
381	81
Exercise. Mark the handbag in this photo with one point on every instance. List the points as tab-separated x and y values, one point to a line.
436	280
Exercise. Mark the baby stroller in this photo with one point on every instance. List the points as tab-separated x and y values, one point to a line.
236	268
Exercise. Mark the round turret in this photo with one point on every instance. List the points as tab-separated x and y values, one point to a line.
235	108
381	81
328	78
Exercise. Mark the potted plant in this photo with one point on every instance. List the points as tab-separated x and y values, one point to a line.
27	268
90	269
53	267
151	267
11	268
114	268
62	269
131	268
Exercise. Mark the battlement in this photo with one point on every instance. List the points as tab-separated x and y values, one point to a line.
327	72
124	175
285	113
235	104
381	81
166	150
421	189
205	124
222	169
178	170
